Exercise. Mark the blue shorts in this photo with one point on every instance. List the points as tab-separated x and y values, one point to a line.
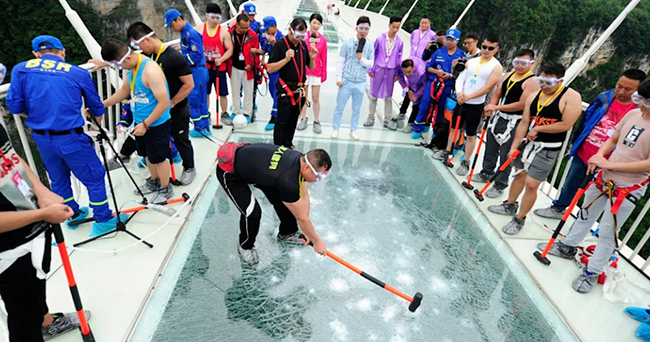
155	143
223	82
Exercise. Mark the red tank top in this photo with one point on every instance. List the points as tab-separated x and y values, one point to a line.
213	47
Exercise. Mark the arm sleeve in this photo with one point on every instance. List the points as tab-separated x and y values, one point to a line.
367	61
90	95
340	63
195	48
15	99
181	66
401	79
323	58
426	54
420	91
593	106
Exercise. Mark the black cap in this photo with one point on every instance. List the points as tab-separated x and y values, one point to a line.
644	88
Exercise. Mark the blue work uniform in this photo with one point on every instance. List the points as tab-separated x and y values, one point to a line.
441	60
50	92
255	26
192	49
274	76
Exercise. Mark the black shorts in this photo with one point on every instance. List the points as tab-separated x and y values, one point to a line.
470	115
223	82
155	143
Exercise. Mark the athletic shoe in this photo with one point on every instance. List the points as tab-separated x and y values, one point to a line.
302	124
62	324
408	128
640	314
401	116
416	135
514	226
295	238
559	249
463	169
369	122
100	228
188	176
142	164
163	195
494	192
551	212
317	128
505	208
225	119
392	125
115	164
481	178
441	155
79	215
585	282
250	256
335	134
354	135
149	187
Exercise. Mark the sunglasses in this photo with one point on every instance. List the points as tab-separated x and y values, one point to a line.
521	62
118	64
136	43
640	100
216	17
319	175
547	81
363	28
489	48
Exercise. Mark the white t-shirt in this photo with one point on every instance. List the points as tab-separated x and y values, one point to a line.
475	77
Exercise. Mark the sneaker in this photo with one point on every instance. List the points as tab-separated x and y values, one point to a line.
481	178
585	282
250	256
369	122
494	192
115	164
302	124
441	155
640	314
335	134
354	135
505	208
188	176
401	116
79	215
317	128
559	249
408	128
62	324
463	169
149	187
100	228
416	135
392	125
163	195
225	119
142	164
295	238
514	226
551	212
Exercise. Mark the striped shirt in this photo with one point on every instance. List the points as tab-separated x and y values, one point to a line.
355	70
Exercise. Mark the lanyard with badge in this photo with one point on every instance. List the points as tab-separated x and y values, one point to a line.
135	74
478	68
241	45
511	83
162	46
16	177
389	47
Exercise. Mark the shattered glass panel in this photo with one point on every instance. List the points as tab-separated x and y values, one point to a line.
389	211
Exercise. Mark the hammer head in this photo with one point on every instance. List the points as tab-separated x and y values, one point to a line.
415	304
541	258
478	195
467	186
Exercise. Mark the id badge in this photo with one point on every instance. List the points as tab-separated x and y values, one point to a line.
241	56
472	81
386	60
20	183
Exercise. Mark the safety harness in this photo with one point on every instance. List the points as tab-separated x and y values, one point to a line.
300	90
436	91
226	156
513	119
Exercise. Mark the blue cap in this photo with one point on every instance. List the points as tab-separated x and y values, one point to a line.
249	8
54	43
454	33
170	16
268	22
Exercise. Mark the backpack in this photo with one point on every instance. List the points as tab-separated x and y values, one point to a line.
226	156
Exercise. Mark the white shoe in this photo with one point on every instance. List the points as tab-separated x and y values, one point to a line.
335	134
354	135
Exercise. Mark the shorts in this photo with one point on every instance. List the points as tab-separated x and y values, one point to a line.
470	115
541	166
155	143
223	82
313	81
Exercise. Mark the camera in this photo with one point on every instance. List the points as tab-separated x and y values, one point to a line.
460	67
435	45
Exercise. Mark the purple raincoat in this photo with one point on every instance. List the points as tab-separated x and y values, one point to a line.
381	86
418	81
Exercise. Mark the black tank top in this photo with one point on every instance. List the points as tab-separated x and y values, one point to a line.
514	95
549	114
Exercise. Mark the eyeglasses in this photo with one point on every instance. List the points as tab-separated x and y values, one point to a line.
212	16
363	28
547	81
489	48
136	43
319	175
640	100
521	62
118	64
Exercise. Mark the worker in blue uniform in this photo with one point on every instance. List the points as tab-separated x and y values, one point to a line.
49	93
269	35
192	49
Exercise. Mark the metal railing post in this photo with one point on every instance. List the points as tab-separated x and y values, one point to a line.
384	7
195	16
368	4
406	16
463	14
23	140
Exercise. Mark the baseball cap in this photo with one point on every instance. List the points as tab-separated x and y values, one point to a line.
53	43
268	22
170	16
454	33
250	8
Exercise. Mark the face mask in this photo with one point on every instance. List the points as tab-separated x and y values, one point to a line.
319	175
299	35
136	43
118	64
549	82
640	100
521	62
